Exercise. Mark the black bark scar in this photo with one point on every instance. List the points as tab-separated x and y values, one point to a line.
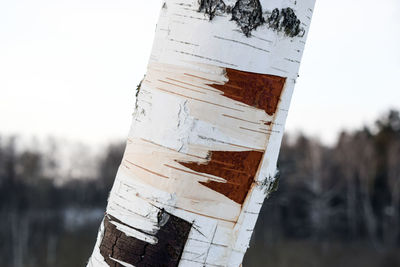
171	237
285	21
212	7
248	15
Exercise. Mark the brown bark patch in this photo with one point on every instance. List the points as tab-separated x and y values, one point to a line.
238	168
262	91
172	237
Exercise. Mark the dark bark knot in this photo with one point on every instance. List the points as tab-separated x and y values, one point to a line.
286	21
212	7
248	15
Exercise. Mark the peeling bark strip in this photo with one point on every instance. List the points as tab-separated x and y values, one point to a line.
248	15
237	168
262	91
172	236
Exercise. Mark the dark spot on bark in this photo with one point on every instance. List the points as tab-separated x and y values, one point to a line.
271	184
286	21
212	7
248	15
137	93
167	252
138	88
238	168
262	91
274	186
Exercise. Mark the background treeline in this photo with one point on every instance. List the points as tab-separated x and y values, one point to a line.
336	205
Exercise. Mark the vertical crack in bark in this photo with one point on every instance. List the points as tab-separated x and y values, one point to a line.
144	252
171	236
115	243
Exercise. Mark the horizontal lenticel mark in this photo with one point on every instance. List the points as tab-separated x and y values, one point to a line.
180	86
147	170
204	101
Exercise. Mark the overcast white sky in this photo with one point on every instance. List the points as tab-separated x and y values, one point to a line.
69	68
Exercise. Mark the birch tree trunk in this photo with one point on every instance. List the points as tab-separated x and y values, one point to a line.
201	154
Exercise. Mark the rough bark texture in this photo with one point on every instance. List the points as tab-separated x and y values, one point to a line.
212	7
286	21
248	15
172	236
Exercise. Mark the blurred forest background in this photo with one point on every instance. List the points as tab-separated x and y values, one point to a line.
337	205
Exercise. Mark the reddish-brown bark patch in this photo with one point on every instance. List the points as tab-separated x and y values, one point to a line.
262	91
238	168
171	237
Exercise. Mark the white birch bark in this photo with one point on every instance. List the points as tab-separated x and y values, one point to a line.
181	117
